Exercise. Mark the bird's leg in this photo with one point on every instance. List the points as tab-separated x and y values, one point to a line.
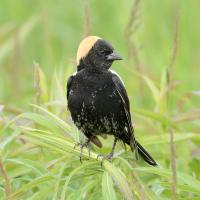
87	145
125	146
110	155
82	145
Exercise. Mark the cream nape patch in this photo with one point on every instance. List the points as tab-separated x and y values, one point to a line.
85	46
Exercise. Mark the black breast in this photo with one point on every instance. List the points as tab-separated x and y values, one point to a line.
94	103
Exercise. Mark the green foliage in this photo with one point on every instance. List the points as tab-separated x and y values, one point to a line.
38	160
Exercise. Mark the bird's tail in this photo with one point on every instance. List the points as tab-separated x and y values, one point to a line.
140	150
145	155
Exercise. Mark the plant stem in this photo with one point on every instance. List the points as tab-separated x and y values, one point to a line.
6	179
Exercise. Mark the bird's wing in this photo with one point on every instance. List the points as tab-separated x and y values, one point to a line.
126	105
69	83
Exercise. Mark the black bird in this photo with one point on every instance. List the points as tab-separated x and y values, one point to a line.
97	98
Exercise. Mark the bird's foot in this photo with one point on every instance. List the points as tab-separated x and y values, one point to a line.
108	157
82	145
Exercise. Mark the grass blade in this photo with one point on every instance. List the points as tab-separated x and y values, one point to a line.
108	191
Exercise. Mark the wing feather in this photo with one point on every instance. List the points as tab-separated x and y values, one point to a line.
69	83
126	105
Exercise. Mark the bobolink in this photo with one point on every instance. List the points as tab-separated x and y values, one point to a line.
97	98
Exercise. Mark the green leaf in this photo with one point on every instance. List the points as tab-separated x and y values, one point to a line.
108	191
183	179
62	124
35	166
4	145
188	116
181	187
155	116
57	184
142	187
119	179
27	187
43	193
41	120
72	173
80	193
164	138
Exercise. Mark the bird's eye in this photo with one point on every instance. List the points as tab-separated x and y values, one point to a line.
104	52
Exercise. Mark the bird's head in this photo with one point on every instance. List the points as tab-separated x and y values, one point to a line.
96	53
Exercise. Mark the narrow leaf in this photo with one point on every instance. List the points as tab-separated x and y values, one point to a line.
108	191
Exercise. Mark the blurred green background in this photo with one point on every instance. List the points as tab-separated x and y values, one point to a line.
38	44
49	32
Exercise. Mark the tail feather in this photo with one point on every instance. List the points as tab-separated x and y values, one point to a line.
142	152
145	155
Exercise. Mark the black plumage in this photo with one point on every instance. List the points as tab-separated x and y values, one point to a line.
97	99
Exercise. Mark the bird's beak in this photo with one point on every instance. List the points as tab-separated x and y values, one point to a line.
114	56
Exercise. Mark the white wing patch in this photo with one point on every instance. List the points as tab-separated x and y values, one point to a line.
114	72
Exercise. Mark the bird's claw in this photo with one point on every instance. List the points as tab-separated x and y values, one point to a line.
108	157
82	145
77	144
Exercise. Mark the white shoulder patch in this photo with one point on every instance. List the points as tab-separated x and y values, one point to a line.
114	72
74	73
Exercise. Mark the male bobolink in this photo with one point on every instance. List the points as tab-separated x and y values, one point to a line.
97	98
